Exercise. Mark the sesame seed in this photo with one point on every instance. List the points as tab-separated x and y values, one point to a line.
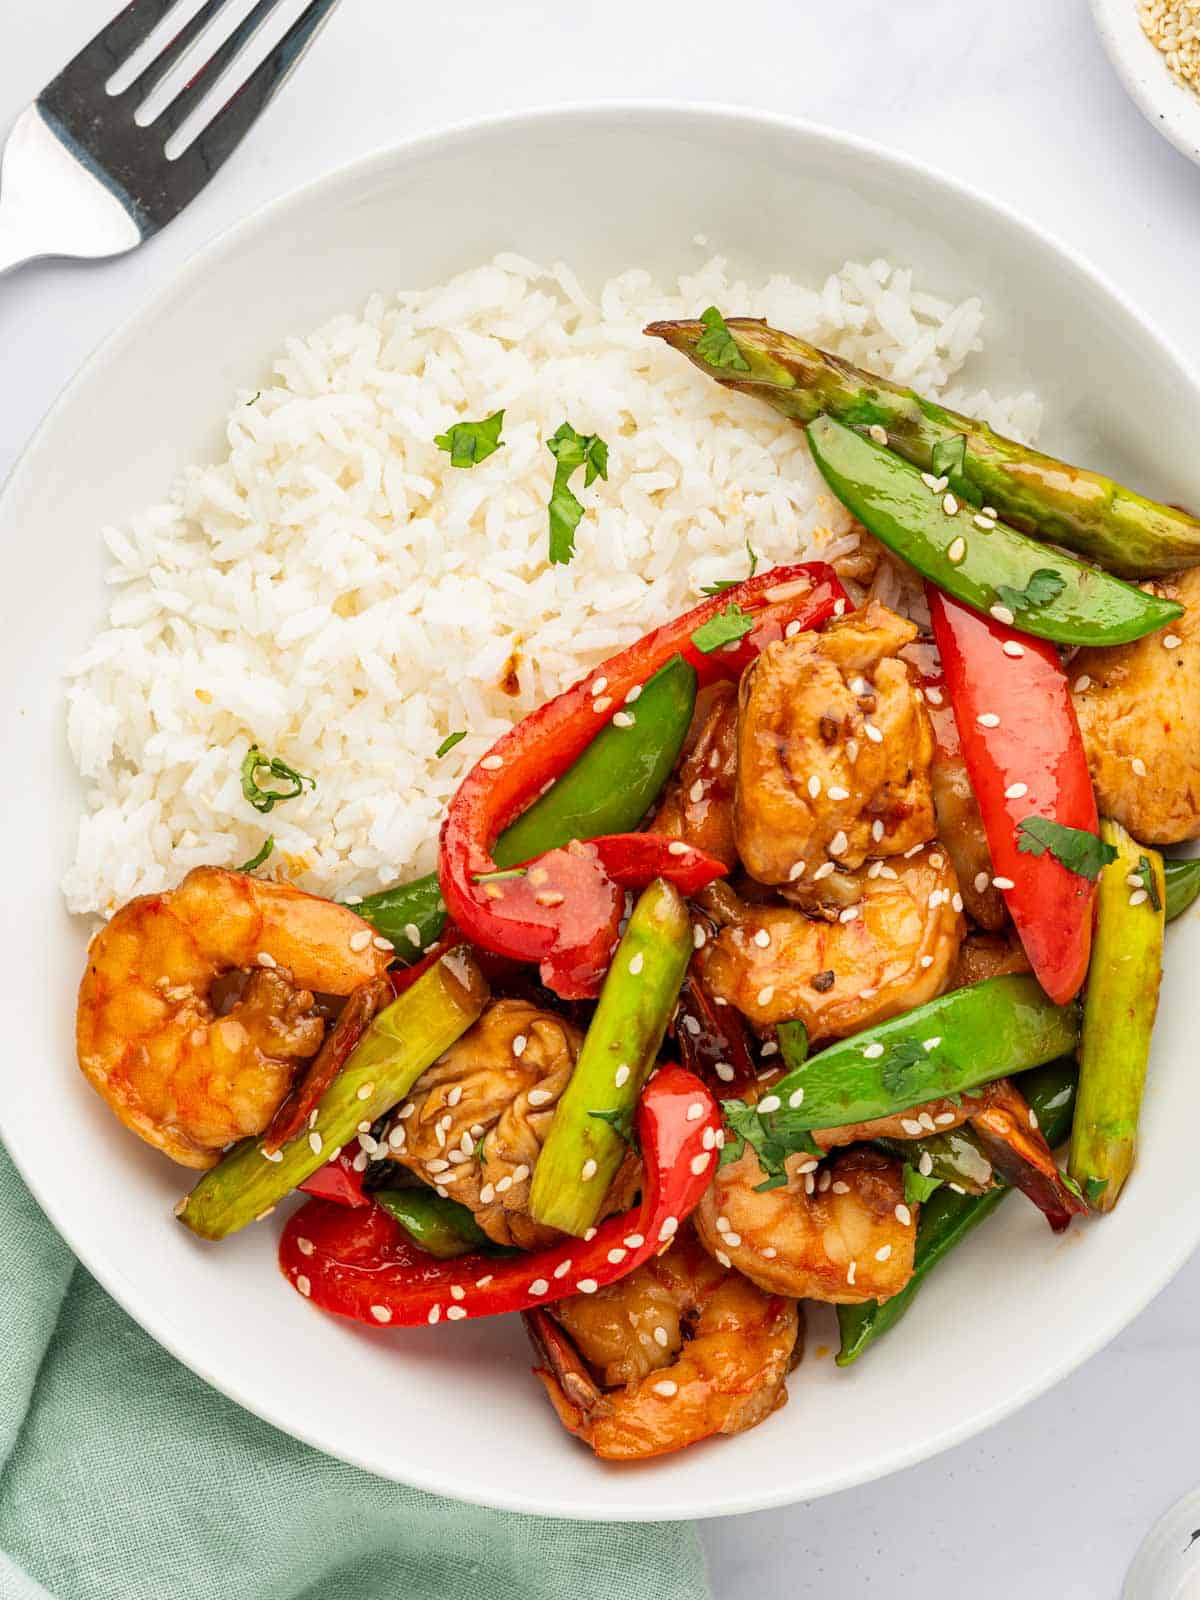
888	872
925	1165
1003	883
636	963
767	1104
849	915
883	1252
587	1285
988	511
814	786
807	1166
635	1241
265	959
725	1072
455	1313
435	1315
677	848
762	938
877	433
699	937
796	1099
634	694
621	1076
661	1337
588	1170
538	1286
1033	1120
1013	649
723	1258
1139	767
361	939
956	901
315	1143
1082	683
381	943
304	1286
936	897
601	706
872	1052
937	859
364	1091
1138	897
1016	791
1171	641
623	719
520	1173
599	686
437	1165
850	1272
841	1188
867	994
926	961
360	1161
397	1138
903	1216
877	830
262	1215
487	1194
562	1268
836	792
666	1387
540	1097
271	1155
985	523
696	792
945	1118
518	1045
851	749
823	871
872	733
482	1283
381	1313
792	629
455	1095
931	1044
988	719
766	995
1002	614
926	1121
670	1227
796	870
911	1127
491	763
933	694
957	550
504	1184
695	1111
839	844
981	882
928	479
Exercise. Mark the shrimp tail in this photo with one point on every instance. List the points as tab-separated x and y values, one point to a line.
573	1392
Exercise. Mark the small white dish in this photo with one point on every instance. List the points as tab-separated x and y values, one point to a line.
456	1410
1170	107
1167	1565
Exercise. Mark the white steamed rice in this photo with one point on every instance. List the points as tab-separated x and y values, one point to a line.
336	592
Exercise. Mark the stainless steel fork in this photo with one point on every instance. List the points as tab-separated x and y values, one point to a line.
82	178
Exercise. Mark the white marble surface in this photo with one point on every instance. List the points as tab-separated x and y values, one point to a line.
1015	97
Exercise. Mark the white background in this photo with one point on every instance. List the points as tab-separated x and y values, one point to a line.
1016	98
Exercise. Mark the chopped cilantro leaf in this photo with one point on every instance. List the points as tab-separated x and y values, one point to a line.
729	583
571	451
717	346
449	742
1146	873
1068	1182
770	1144
264	800
1043	586
917	1187
903	1055
621	1122
469	443
948	456
1095	1189
727	627
260	855
1076	849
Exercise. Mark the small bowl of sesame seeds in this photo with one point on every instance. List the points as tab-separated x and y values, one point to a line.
1155	47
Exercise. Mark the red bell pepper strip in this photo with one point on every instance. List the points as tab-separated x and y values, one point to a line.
564	910
365	1266
338	1181
1025	758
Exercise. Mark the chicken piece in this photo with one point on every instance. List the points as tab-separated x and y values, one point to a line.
698	805
834	748
1139	710
894	950
987	955
474	1124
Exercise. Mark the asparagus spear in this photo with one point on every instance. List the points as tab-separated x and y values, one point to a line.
404	1039
948	1217
1118	1016
1122	531
586	1144
608	790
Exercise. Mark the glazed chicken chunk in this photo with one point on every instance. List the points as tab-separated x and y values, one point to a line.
834	750
891	949
1139	710
474	1124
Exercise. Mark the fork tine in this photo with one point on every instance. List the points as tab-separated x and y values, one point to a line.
116	42
174	115
218	140
171	52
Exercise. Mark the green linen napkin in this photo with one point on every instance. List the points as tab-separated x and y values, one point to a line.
125	1477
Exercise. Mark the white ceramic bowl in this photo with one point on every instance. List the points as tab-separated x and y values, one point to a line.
1170	107
455	1409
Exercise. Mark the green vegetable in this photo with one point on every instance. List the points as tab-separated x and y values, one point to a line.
582	1151
954	1157
608	790
1145	871
1183	885
729	583
571	450
793	1044
744	1126
948	456
259	856
948	1217
727	627
918	1187
255	762
716	346
449	742
959	1041
1118	1018
1074	848
441	1228
1056	596
1069	506
469	443
401	1041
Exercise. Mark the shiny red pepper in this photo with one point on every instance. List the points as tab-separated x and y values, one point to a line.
366	1266
564	910
338	1181
1025	758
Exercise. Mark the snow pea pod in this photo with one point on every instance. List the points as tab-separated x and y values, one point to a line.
1183	885
608	790
988	566
948	1217
442	1228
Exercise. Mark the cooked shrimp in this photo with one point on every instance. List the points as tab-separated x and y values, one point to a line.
184	1078
838	1230
677	1351
893	950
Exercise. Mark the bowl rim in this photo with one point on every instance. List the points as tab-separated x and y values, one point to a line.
1102	1326
1171	109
